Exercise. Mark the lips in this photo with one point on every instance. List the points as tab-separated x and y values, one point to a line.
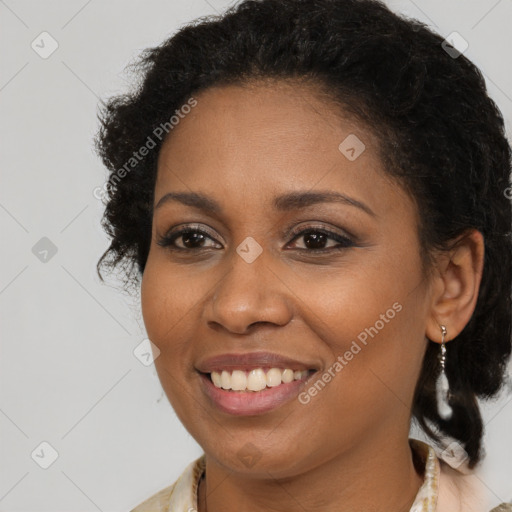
261	399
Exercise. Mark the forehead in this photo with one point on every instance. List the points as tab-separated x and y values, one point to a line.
264	115
265	139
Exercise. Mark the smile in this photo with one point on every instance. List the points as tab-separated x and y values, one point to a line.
255	380
245	384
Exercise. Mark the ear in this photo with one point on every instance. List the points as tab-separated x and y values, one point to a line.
455	286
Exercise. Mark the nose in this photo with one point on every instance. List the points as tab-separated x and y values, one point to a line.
249	294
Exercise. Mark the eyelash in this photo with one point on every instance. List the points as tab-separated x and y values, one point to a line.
168	240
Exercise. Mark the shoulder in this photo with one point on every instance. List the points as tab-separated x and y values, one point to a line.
159	502
464	491
181	495
504	507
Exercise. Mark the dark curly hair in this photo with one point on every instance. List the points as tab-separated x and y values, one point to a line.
441	137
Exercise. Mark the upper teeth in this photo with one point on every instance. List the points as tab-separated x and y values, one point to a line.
255	380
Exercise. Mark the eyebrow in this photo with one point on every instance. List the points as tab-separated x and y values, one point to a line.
283	203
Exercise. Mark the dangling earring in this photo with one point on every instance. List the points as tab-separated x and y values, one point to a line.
442	386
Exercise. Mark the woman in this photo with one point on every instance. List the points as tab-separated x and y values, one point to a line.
314	195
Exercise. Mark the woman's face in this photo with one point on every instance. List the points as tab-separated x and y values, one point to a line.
345	300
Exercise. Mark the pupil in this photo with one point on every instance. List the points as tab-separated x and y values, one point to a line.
191	238
315	240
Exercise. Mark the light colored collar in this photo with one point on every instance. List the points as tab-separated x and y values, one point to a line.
426	499
184	493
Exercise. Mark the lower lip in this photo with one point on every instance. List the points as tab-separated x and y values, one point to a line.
247	403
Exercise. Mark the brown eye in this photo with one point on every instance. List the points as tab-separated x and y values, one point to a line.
315	240
191	239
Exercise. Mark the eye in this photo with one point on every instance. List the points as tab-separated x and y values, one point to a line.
192	238
315	239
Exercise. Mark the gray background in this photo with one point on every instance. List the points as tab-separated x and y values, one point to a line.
67	369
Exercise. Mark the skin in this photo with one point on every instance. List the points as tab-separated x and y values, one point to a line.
347	449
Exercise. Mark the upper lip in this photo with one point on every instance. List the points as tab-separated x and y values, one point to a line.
250	361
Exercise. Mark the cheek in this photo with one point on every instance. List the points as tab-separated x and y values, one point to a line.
154	303
166	308
372	322
165	302
348	305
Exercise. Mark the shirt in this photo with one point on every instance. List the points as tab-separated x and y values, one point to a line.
444	489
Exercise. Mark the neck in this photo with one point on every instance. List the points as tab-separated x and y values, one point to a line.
382	477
